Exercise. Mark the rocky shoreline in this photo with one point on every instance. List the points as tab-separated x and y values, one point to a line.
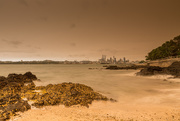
17	89
134	67
145	70
173	69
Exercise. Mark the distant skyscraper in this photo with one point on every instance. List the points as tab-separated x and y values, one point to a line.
111	60
104	57
114	59
124	59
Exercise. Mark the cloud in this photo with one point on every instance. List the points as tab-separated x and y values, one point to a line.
23	2
15	43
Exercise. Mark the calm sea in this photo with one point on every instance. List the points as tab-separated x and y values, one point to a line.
121	85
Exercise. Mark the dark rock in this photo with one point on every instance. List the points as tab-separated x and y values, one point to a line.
112	100
15	78
113	67
2	78
134	67
173	69
29	77
151	70
3	84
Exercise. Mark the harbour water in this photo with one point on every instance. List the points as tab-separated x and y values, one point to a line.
121	85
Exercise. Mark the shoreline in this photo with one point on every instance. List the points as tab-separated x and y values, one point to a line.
102	111
147	103
140	110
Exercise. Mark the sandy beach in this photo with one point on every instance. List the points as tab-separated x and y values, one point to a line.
162	105
139	98
102	111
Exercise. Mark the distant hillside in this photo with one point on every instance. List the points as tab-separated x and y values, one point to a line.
168	49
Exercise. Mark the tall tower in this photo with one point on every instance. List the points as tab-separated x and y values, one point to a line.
124	59
114	59
104	58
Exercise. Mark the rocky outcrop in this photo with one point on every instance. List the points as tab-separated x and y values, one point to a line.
151	70
10	104
173	69
11	89
16	79
67	94
17	89
125	67
25	78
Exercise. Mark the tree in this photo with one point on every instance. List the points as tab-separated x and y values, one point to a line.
167	49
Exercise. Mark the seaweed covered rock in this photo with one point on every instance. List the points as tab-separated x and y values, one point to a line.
17	88
29	86
11	90
30	76
25	78
11	103
17	79
68	94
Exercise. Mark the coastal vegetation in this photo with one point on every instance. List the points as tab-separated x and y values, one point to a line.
168	49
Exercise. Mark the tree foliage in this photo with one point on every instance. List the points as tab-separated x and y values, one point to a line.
168	49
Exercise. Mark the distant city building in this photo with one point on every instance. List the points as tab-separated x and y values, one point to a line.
124	59
112	60
103	59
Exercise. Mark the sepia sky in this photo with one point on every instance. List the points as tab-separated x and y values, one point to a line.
85	29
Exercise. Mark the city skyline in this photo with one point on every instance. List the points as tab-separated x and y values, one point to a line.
85	29
106	59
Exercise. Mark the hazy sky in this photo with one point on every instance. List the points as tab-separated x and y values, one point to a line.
85	29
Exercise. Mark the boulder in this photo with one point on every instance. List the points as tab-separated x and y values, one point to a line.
29	77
